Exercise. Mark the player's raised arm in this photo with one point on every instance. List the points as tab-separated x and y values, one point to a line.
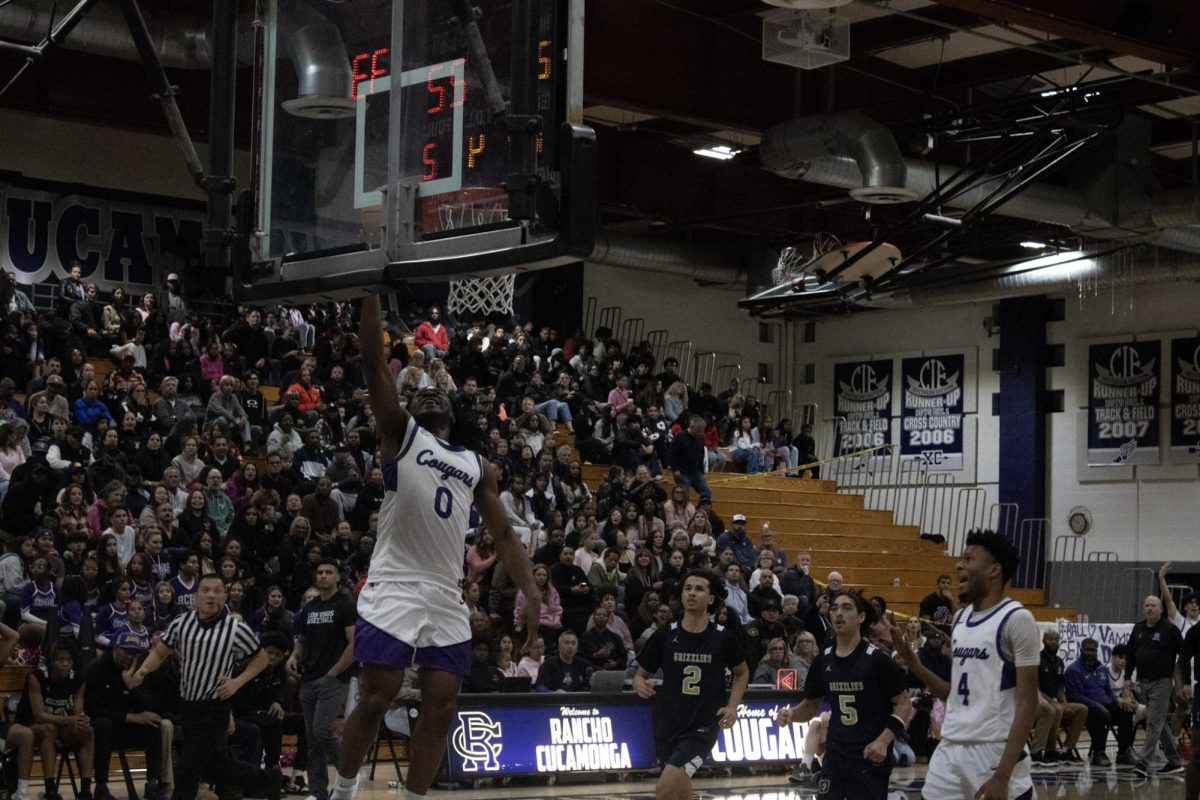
390	419
936	686
512	553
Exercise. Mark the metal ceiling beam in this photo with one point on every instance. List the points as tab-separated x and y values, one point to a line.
1097	23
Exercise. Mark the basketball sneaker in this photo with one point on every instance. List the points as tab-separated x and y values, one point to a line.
805	777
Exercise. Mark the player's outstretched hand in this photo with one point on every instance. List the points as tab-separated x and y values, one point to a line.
904	650
643	687
726	716
783	717
995	789
876	752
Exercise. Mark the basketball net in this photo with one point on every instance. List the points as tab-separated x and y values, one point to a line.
793	261
472	208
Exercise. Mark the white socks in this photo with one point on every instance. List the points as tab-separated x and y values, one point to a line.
343	788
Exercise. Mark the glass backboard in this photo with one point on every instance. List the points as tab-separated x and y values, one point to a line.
418	140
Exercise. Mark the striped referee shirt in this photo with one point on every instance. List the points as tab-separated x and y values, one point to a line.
209	648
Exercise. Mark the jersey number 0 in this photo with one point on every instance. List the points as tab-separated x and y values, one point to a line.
443	502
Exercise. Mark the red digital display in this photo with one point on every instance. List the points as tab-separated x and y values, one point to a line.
444	91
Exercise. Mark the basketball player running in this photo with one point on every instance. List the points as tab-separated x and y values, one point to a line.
693	654
410	610
993	691
869	702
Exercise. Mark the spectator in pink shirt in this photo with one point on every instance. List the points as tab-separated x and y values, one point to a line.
621	399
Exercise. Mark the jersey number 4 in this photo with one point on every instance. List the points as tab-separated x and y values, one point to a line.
443	503
963	691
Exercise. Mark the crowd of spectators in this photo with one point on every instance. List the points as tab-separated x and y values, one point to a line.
143	446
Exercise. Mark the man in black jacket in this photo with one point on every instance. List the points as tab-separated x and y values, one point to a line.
688	457
120	715
564	672
1153	645
260	704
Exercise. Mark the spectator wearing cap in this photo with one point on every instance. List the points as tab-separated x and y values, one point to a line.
744	551
169	409
55	392
120	716
762	629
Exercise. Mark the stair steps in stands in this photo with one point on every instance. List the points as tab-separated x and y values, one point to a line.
863	544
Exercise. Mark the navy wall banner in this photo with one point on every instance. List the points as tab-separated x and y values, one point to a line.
611	734
1123	380
1185	398
862	397
931	410
118	240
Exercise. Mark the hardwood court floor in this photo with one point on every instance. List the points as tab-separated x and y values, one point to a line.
1062	784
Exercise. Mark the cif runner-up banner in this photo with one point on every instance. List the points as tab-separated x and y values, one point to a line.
1185	399
1123	386
931	410
862	398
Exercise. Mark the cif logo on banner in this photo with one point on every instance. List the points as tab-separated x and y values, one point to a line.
866	386
1125	369
1189	374
934	380
476	742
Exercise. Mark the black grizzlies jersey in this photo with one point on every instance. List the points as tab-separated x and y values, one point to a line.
860	688
693	676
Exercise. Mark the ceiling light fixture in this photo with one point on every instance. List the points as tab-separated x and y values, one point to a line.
722	152
1034	245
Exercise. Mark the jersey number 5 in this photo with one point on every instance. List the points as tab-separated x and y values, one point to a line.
443	503
849	712
963	691
691	680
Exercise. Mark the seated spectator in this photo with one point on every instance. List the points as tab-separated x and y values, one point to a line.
484	677
1087	682
939	606
564	672
432	337
1054	712
601	646
52	707
762	629
532	660
778	656
551	613
120	717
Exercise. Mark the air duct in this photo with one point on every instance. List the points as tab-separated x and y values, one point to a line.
1066	277
703	263
181	40
312	44
790	148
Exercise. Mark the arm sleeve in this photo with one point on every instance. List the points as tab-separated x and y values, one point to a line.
889	675
650	658
814	683
245	643
1022	640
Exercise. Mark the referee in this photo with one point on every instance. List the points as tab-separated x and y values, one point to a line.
210	641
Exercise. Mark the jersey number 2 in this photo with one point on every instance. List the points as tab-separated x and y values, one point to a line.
963	690
691	680
443	503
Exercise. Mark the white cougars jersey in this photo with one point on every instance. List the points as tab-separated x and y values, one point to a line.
428	492
986	649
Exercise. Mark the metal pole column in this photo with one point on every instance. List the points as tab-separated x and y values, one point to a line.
220	181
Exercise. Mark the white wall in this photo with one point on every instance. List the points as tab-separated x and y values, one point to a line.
76	152
1145	514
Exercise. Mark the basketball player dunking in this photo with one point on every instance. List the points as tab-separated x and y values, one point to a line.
411	609
992	695
868	701
691	705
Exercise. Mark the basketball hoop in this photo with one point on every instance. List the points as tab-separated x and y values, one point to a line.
471	208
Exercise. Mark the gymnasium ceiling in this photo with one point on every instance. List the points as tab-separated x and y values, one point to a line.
949	78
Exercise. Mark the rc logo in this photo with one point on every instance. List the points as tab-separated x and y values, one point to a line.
475	744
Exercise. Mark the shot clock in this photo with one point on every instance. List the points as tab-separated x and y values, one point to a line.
385	126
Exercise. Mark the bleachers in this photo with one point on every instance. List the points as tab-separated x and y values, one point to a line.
864	545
